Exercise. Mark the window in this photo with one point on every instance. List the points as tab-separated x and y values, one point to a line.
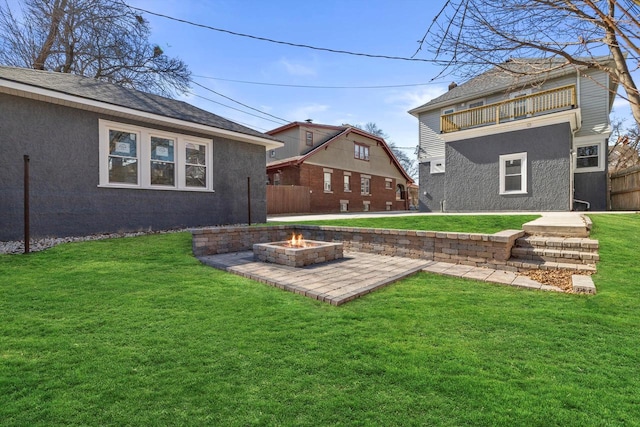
195	169
448	110
309	138
361	151
276	178
123	157
589	155
163	167
347	183
437	166
327	182
366	206
272	153
400	192
136	157
388	206
513	173
344	205
476	104
388	183
365	185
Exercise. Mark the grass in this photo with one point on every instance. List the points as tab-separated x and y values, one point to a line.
458	223
136	332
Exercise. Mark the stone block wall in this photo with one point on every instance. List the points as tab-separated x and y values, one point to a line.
482	250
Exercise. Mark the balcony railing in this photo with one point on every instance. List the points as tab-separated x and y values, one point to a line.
548	101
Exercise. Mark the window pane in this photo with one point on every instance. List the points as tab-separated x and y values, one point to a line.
123	144
591	150
195	176
347	183
512	183
513	167
587	162
162	173
196	154
162	149
357	151
122	170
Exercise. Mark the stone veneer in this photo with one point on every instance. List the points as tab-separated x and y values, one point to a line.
297	256
480	250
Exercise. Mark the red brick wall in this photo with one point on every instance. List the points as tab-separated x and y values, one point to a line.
312	176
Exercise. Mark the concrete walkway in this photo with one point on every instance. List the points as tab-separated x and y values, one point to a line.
356	274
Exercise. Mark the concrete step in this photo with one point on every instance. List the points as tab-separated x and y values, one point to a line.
516	264
561	224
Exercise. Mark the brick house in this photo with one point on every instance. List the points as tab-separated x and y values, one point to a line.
345	168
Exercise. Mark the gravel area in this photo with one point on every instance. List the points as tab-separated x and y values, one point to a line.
36	245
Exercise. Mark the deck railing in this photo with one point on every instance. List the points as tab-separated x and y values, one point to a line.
548	101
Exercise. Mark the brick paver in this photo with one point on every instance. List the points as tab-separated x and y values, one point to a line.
356	274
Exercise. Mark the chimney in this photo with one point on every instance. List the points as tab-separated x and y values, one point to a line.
452	85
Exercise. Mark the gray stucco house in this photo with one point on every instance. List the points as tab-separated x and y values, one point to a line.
509	141
104	158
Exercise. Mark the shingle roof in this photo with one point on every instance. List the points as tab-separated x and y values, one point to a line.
508	76
96	90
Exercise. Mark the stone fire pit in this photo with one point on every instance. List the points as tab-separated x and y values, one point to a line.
297	252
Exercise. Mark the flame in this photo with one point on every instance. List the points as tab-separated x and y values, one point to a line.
296	241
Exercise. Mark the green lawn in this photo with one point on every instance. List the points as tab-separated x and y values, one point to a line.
457	223
136	332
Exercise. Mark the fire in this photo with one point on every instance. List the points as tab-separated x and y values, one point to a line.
296	241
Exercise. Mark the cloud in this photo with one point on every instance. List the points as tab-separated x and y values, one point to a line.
309	111
297	69
412	98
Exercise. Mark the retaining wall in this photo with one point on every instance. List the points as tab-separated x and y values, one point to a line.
481	250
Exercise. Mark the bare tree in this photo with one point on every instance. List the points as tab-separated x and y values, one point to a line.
624	152
104	39
468	36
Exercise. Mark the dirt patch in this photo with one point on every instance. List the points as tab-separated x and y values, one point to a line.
559	278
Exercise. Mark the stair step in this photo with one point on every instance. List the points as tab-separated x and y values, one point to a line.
521	265
556	254
558	242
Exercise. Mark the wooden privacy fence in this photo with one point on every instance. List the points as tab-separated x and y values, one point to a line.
625	190
283	199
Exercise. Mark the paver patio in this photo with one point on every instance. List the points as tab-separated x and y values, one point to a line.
357	274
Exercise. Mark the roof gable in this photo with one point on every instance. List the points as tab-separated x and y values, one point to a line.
338	137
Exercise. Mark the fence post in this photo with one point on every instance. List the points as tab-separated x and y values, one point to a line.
27	232
249	198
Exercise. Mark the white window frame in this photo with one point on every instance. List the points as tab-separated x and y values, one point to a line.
447	110
327	182
346	182
144	157
344	206
365	190
437	165
586	142
523	172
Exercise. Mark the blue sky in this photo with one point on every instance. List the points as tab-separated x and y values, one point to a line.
377	27
382	27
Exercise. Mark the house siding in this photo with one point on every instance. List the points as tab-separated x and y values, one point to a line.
548	156
594	103
63	146
431	189
431	145
591	187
